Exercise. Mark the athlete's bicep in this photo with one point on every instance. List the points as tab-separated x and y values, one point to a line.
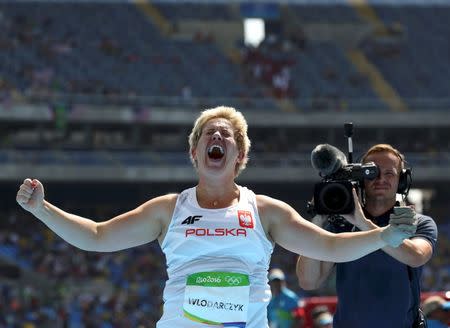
288	229
138	226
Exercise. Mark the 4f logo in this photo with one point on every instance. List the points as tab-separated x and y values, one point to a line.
191	219
246	219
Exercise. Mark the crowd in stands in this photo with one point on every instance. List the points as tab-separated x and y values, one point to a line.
135	279
46	51
270	65
121	289
416	71
314	74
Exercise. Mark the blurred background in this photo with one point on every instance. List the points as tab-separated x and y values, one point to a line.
97	99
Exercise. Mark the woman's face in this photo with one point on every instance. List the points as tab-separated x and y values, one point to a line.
217	150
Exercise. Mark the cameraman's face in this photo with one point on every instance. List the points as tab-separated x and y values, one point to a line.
385	186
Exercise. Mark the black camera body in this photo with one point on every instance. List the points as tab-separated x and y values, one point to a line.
334	195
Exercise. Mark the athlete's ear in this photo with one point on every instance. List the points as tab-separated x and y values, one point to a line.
240	157
194	157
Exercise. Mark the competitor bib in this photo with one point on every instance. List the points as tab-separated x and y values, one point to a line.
217	298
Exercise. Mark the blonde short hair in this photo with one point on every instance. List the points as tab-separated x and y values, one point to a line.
240	127
379	148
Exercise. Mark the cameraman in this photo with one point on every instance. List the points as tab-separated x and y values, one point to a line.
381	289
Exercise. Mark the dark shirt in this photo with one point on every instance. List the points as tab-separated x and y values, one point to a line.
377	290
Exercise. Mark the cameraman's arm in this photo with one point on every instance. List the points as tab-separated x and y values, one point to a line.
312	273
413	252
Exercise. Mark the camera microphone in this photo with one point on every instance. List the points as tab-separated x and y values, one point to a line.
327	159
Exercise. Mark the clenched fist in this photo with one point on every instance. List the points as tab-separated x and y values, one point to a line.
403	215
402	225
31	195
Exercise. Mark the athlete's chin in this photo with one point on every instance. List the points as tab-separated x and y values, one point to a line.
215	170
215	166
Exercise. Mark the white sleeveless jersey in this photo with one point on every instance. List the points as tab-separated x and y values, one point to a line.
224	240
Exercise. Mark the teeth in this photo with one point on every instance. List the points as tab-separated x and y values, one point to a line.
216	152
215	148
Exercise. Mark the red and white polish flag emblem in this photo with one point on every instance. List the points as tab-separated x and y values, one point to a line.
246	219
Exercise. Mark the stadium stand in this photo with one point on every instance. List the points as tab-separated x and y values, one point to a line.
48	51
417	71
196	11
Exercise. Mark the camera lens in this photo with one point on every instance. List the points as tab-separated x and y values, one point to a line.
335	197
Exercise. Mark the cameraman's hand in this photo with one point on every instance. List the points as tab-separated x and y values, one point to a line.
357	218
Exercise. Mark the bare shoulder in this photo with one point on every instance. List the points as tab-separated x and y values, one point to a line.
269	205
271	210
164	200
160	207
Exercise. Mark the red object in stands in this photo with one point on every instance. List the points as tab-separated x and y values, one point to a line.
310	303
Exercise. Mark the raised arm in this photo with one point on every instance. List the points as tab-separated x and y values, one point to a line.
414	252
287	228
136	227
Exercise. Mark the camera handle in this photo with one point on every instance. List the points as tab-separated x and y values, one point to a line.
348	132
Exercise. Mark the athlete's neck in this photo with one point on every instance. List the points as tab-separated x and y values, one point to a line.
217	195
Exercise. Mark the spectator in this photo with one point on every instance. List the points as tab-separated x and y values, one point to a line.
284	303
437	311
323	320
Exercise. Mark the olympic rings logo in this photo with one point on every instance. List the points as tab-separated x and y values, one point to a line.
233	281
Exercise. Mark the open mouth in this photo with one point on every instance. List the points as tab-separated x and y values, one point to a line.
216	152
